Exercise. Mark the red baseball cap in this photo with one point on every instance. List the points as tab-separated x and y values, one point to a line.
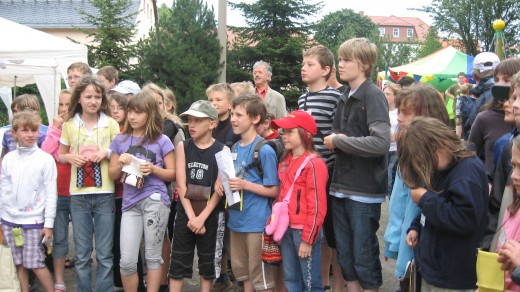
297	119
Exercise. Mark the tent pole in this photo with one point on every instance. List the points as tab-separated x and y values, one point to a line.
14	88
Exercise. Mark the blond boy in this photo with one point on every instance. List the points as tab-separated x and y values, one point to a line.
361	139
221	96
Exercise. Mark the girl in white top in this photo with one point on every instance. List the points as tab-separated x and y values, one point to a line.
391	90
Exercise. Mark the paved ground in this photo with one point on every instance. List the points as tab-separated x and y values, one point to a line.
389	280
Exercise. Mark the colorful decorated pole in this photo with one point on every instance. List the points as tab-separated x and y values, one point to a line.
498	26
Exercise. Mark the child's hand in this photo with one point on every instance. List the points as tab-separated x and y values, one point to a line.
237	184
510	255
58	120
147	168
412	238
77	160
196	224
305	250
201	231
417	194
47	233
124	159
328	141
98	156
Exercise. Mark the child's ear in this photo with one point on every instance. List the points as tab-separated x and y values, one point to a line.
326	71
256	120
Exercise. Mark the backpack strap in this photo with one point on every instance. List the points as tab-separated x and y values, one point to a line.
255	160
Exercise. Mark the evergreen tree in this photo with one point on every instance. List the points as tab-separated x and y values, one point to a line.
431	44
182	52
112	40
277	33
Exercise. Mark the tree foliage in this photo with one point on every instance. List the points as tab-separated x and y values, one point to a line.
392	54
112	41
277	33
431	44
336	27
471	21
182	52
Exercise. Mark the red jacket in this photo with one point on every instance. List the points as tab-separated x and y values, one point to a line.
308	204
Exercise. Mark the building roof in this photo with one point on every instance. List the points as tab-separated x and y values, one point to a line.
421	28
41	14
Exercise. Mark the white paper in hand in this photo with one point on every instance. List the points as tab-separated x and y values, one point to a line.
227	170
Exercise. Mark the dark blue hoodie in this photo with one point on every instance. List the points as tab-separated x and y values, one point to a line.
455	221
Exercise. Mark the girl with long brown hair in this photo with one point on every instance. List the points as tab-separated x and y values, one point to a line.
449	184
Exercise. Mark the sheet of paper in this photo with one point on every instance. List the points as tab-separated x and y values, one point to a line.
133	167
227	170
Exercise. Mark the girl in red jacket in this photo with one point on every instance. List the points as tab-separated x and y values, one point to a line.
307	205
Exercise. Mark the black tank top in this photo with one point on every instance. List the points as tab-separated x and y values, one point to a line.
201	166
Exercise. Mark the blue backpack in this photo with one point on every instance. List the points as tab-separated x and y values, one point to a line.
467	103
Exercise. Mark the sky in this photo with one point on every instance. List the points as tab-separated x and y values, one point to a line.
370	7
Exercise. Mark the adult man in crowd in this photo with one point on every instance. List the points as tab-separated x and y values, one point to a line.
262	73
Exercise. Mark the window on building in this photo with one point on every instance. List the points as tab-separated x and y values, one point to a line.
381	31
396	32
409	32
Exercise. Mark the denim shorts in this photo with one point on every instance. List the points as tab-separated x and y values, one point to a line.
61	228
355	227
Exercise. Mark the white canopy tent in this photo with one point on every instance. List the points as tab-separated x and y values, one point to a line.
30	56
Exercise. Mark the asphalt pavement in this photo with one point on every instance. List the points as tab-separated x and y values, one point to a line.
390	282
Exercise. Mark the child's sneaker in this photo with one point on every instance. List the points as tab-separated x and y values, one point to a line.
60	288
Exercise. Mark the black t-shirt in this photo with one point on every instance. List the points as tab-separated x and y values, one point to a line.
224	133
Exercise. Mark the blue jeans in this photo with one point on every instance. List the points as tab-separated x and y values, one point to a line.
93	217
355	227
61	228
300	274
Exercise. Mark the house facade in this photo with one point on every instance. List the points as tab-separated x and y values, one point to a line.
61	18
400	29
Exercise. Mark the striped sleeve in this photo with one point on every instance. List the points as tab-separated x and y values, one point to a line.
322	106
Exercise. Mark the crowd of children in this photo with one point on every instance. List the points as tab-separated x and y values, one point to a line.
144	191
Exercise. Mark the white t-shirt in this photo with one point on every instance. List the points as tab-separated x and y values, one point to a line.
393	129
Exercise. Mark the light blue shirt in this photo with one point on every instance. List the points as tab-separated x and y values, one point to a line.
255	208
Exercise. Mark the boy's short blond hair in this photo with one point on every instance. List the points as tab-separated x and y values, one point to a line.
221	87
362	51
26	102
26	119
324	57
109	72
244	87
80	66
